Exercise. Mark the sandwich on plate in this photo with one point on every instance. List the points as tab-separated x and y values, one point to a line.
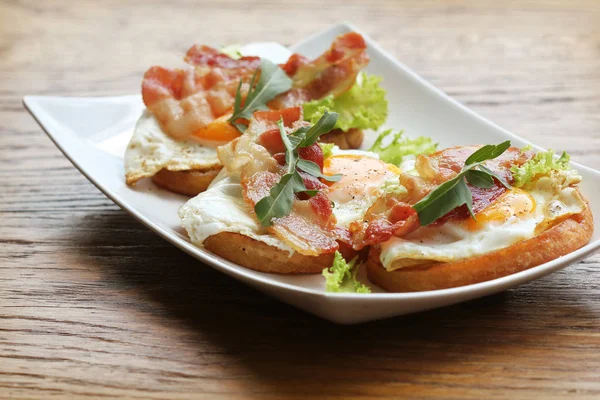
191	112
418	218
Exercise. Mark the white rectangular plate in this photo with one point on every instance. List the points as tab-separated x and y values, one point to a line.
93	134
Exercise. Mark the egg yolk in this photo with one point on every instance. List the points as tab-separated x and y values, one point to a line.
515	202
361	175
219	131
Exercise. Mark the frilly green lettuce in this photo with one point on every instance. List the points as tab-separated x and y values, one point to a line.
392	186
327	149
364	106
400	147
541	164
341	276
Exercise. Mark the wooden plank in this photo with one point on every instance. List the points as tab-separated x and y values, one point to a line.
93	304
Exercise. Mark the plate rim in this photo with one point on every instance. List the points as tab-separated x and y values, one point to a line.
217	262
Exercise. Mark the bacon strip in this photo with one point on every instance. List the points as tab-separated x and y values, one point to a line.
388	216
205	55
334	72
394	216
187	101
303	229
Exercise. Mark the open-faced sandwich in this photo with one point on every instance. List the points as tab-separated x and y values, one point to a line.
190	112
422	219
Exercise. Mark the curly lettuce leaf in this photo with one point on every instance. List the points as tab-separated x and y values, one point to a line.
327	149
392	186
400	147
341	276
364	106
541	164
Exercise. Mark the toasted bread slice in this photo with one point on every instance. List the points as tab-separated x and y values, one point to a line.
344	140
561	239
193	182
259	256
187	182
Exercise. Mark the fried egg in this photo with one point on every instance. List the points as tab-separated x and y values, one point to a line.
151	150
221	208
515	216
363	176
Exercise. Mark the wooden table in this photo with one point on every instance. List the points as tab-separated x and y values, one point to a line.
94	304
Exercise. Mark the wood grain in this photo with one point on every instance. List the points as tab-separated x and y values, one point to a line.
92	304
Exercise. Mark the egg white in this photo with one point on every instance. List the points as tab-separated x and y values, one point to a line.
221	208
151	150
348	207
454	241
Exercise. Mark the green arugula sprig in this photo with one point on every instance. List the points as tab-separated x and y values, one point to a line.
281	197
455	192
272	82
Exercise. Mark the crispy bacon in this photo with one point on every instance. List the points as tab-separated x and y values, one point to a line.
443	165
177	101
289	115
481	199
264	121
186	102
394	216
305	229
259	157
277	149
161	83
334	72
293	63
249	153
271	140
319	203
205	55
312	153
388	216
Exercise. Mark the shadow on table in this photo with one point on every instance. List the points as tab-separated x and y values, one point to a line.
290	351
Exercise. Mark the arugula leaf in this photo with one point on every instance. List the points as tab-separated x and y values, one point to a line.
480	179
281	197
341	276
487	152
455	192
279	201
495	175
313	169
273	81
291	155
325	124
445	198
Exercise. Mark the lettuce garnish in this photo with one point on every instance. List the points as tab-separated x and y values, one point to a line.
400	147
364	106
541	164
341	276
392	186
327	149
